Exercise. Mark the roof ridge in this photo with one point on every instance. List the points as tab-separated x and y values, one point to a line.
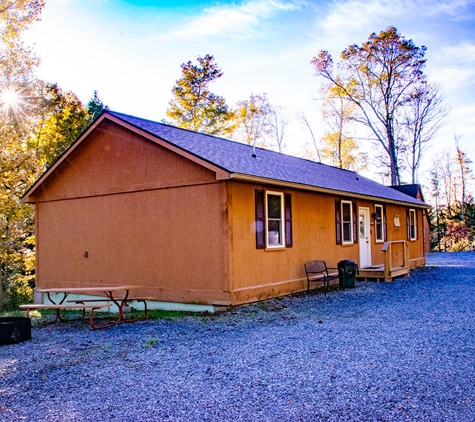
265	150
237	158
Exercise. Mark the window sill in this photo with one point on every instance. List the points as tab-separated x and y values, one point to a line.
279	248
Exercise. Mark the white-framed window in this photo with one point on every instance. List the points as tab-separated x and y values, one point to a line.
379	223
275	219
412	225
347	222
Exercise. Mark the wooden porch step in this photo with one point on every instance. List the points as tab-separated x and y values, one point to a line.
377	272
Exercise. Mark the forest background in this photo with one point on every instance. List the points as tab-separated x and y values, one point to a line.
376	94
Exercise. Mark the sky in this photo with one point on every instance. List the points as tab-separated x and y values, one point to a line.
131	52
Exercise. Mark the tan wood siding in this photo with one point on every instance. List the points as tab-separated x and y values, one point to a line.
257	274
260	273
170	241
113	160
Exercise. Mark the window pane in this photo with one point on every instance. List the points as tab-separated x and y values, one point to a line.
346	212
274	206
362	227
379	230
378	222
274	232
346	223
412	222
346	232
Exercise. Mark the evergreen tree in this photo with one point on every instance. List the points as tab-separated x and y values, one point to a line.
194	106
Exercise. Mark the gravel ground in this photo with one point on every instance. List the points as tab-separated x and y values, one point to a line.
400	351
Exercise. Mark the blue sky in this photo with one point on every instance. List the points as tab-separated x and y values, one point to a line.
131	51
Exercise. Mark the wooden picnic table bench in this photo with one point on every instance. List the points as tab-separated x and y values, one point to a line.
117	295
58	307
125	303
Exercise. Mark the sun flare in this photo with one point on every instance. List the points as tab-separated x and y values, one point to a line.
10	99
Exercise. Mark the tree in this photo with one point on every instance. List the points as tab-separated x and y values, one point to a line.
19	101
252	120
194	107
64	118
458	236
465	175
421	120
95	107
305	123
436	194
378	78
16	16
278	122
453	220
339	149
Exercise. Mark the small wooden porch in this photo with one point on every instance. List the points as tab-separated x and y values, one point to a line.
395	264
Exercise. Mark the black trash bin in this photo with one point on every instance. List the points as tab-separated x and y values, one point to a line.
347	271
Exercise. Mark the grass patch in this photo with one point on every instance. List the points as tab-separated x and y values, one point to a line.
150	343
8	314
155	314
43	314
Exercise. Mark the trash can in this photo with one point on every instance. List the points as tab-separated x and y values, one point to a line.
347	271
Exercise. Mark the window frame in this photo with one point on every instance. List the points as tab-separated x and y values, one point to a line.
350	222
282	243
412	224
379	223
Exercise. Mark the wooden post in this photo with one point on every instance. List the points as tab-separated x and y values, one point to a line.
405	262
387	260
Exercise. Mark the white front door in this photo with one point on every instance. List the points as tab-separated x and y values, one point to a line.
364	238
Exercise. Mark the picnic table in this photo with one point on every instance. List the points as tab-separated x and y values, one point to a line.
118	295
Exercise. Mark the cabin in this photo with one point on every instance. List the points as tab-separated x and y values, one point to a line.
204	222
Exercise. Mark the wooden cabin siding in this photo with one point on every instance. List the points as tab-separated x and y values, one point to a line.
170	241
143	215
260	273
416	247
256	274
113	159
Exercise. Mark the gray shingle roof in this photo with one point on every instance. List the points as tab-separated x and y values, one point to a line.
235	157
411	190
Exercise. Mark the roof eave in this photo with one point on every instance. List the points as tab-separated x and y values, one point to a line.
301	186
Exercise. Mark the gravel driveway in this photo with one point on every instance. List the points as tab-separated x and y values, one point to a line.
400	351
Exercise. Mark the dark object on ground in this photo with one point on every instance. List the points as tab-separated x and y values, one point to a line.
14	330
347	271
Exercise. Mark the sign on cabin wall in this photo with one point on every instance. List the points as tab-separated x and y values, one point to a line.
396	220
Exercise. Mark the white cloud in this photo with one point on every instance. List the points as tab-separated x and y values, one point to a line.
452	8
350	21
451	78
236	21
464	52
